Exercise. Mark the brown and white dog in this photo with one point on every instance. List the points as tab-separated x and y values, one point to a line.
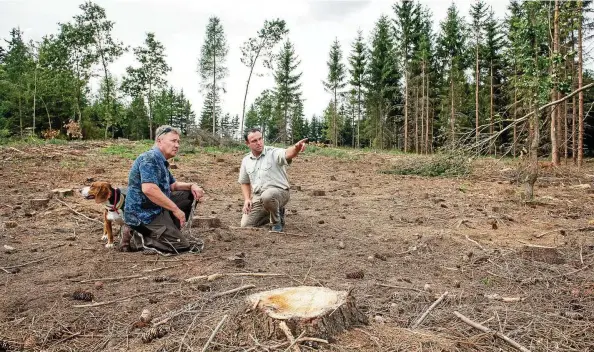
113	200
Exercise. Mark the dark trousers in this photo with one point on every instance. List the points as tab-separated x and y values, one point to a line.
164	233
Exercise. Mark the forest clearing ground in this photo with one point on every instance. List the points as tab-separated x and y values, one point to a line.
520	268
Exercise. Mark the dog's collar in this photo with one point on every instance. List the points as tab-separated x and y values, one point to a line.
116	201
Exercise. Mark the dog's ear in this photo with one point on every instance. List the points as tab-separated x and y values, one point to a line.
102	190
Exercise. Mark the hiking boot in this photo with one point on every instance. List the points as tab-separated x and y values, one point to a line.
278	227
126	237
282	216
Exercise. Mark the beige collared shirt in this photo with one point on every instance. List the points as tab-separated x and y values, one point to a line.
269	169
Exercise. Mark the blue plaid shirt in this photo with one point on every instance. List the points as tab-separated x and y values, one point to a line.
150	167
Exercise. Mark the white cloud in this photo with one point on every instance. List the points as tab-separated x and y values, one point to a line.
180	26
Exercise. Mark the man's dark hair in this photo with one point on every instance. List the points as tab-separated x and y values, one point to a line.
251	130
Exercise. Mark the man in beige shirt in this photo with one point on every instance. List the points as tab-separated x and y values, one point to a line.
264	182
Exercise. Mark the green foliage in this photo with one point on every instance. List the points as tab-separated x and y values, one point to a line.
212	70
128	151
447	164
335	153
287	91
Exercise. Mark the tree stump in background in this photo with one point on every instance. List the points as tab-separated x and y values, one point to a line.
307	311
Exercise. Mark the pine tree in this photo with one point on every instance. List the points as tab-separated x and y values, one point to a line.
106	49
149	77
406	34
210	108
478	14
452	51
261	46
358	62
334	83
382	83
287	87
212	67
493	45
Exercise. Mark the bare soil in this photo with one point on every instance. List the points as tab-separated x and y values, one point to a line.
521	268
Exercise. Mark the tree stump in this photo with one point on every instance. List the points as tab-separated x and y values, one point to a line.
308	311
206	222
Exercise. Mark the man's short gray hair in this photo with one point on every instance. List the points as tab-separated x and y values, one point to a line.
161	130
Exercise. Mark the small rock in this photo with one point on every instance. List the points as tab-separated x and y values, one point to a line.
146	316
321	222
381	256
379	319
370	258
427	287
319	193
10	224
8	249
332	178
341	245
98	285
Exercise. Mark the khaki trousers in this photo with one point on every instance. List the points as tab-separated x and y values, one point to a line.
266	207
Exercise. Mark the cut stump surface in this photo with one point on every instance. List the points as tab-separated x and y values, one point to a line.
309	310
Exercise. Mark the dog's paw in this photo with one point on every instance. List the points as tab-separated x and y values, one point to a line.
104	238
109	245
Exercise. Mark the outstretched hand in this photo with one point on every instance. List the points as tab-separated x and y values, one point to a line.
300	146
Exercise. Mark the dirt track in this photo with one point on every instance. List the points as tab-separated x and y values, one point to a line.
472	237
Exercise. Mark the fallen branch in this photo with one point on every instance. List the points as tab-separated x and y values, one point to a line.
191	306
98	304
213	277
238	289
214	333
24	264
289	233
159	269
489	331
77	213
475	242
18	150
400	287
289	336
535	245
111	278
546	233
420	320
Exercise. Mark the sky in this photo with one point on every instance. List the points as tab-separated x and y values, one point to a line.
181	24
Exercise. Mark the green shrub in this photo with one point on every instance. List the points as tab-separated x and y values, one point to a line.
449	164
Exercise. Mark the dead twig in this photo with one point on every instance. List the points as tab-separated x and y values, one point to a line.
98	304
289	336
24	264
489	331
214	333
422	317
289	233
159	269
77	213
399	287
238	289
111	278
213	277
475	242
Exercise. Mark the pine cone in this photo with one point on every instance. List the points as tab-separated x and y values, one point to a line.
154	333
355	275
5	346
81	295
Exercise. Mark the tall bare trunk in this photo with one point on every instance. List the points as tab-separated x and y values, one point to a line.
555	96
417	121
452	116
476	91
406	110
214	94
359	116
335	116
428	139
423	125
580	83
491	118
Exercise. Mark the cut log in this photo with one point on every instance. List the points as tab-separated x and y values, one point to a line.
63	192
206	222
319	193
39	203
309	311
